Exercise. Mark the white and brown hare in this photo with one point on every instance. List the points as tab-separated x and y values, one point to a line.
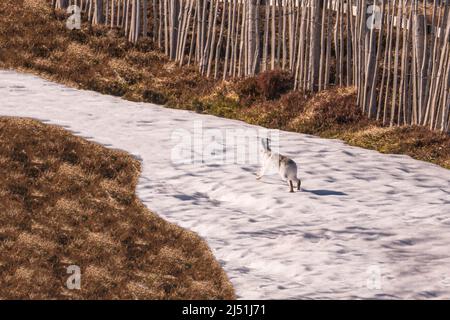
286	167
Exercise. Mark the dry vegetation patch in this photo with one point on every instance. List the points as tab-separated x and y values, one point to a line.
66	201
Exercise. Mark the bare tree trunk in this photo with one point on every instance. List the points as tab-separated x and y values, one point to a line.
241	46
396	56
126	12
219	42
440	72
227	45
98	13
145	18
266	37
236	28
113	9
174	23
251	37
316	14
274	35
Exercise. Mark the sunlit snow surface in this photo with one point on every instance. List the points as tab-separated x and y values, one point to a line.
366	225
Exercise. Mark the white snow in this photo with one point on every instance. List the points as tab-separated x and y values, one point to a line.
366	225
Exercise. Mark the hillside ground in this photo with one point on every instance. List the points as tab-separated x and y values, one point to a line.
33	39
66	201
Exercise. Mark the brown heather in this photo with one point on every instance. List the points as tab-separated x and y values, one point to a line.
66	201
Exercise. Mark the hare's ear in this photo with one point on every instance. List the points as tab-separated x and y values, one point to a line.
268	143
265	143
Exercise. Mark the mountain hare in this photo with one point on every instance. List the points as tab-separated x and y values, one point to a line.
287	168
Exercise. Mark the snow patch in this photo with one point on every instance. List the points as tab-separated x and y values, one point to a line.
366	225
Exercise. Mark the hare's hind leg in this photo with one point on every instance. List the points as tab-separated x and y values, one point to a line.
291	185
261	173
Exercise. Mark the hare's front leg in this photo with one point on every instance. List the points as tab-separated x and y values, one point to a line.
291	185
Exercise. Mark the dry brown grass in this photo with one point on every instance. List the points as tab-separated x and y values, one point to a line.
417	142
66	201
99	59
321	113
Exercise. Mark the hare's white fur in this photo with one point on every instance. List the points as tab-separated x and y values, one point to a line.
286	167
